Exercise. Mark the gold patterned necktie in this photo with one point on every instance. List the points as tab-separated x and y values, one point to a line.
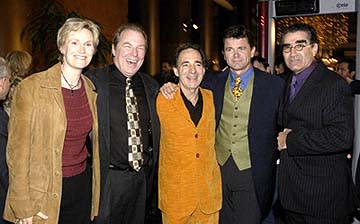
135	154
237	91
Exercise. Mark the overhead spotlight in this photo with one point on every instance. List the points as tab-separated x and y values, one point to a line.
185	25
195	26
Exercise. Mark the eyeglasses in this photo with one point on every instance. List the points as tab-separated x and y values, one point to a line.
286	48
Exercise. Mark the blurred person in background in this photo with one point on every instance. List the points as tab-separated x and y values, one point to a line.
280	68
166	74
5	77
20	64
260	63
346	69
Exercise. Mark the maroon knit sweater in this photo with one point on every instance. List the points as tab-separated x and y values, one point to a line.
79	124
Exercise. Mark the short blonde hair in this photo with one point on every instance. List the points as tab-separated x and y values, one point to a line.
77	24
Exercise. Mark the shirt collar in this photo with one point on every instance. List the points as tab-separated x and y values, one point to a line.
245	78
303	75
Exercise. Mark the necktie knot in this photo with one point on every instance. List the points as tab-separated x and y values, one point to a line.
237	91
128	82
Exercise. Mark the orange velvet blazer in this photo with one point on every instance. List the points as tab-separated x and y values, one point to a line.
189	175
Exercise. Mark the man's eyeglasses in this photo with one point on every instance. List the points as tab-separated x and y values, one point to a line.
286	48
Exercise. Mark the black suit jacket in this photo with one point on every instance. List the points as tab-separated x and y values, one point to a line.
100	78
314	173
262	128
4	176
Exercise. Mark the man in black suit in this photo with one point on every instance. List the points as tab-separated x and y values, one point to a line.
126	176
314	173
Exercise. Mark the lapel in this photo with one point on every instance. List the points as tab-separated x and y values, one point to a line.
91	96
219	92
52	81
181	109
256	103
150	92
103	103
310	84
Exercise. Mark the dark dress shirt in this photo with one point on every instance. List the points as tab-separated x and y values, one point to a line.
194	111
300	79
118	118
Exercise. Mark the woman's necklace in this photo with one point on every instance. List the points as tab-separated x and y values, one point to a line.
72	87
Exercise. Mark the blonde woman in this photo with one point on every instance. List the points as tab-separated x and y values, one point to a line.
53	115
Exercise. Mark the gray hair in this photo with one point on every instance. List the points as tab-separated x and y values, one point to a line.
4	68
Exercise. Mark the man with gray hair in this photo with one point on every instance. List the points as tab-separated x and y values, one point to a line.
5	76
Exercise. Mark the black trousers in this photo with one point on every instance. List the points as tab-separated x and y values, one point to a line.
239	198
123	200
76	199
289	217
2	206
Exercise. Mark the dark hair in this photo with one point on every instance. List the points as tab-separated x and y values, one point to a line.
129	26
279	60
301	27
237	32
189	45
351	64
260	60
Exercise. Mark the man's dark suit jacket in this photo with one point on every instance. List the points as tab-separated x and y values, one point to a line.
314	173
262	127
4	176
100	78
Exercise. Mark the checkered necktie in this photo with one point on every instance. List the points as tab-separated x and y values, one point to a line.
237	91
134	132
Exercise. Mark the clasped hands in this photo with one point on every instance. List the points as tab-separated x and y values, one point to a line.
281	139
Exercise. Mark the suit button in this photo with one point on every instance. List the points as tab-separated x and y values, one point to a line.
233	134
234	125
197	155
236	108
57	174
232	142
196	135
229	150
236	116
55	195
